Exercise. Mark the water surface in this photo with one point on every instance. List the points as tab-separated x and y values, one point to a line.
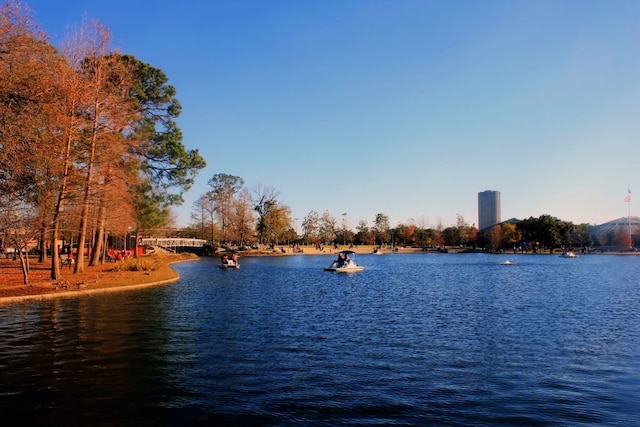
420	339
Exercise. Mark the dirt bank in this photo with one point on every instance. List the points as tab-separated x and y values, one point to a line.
103	278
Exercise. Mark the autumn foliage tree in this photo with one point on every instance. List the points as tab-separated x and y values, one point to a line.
87	135
35	136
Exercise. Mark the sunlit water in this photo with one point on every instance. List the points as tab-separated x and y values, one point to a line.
428	339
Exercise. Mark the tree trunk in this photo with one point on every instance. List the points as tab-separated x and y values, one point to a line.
42	257
55	256
98	245
24	263
84	219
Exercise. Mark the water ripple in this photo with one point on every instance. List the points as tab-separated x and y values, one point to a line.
412	340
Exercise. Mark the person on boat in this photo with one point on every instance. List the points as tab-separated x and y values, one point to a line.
234	258
225	259
340	260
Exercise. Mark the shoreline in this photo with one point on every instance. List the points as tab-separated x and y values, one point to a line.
102	279
95	280
81	292
368	249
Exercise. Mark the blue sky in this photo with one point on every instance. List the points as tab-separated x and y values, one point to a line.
406	108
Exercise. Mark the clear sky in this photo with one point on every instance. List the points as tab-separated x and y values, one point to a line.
406	108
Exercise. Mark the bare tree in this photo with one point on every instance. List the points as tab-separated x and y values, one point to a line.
264	201
20	228
223	189
311	227
327	227
205	206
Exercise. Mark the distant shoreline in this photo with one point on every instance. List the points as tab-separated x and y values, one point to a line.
368	249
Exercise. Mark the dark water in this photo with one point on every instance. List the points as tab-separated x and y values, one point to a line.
412	340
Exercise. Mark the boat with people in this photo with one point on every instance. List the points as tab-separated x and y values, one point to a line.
568	254
377	251
345	263
229	261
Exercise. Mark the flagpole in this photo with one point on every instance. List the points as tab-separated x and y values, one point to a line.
629	216
629	221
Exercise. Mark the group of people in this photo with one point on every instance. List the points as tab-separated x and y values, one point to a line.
118	255
226	259
343	259
69	261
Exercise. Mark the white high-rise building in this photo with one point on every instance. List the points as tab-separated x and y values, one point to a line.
488	209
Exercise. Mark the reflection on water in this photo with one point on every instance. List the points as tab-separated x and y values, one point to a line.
412	340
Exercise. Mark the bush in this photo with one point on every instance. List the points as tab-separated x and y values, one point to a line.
136	264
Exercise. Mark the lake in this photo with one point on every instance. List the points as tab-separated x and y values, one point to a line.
415	339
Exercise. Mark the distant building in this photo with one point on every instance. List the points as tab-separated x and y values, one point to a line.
611	233
488	209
